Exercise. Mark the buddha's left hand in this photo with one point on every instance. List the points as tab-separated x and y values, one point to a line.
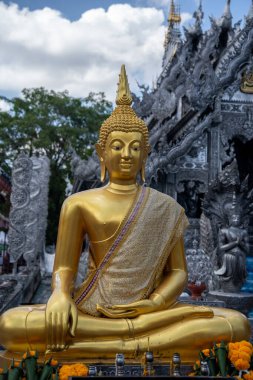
130	310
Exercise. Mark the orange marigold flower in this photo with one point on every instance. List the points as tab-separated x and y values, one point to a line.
53	362
63	376
232	352
64	370
241	364
30	353
206	352
64	373
234	357
78	365
77	369
244	356
231	346
235	346
246	349
247	344
1	370
81	369
196	365
248	376
65	367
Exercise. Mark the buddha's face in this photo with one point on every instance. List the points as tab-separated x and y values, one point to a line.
235	220
124	155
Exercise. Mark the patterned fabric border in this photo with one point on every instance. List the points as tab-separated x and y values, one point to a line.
114	246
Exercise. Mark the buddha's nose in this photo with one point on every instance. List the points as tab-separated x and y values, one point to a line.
126	153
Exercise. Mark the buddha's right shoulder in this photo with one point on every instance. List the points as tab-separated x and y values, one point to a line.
83	198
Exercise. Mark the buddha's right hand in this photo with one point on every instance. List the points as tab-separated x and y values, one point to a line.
61	318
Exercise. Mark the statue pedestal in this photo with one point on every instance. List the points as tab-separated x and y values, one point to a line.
203	302
242	302
132	367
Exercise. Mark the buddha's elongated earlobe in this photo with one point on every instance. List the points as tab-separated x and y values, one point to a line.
143	172
100	153
103	170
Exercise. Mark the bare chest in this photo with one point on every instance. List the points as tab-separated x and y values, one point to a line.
104	217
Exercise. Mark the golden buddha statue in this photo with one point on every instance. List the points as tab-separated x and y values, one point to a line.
137	268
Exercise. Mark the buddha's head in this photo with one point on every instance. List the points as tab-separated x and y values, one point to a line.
123	144
235	220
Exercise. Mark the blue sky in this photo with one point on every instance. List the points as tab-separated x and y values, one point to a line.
79	45
73	9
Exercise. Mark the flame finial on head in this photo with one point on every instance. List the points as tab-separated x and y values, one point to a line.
123	93
123	118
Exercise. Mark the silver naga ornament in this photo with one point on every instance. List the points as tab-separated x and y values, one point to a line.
28	216
20	200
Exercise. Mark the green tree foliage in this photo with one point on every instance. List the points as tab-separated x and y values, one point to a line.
51	122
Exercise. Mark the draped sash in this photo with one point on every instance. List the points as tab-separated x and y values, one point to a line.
137	255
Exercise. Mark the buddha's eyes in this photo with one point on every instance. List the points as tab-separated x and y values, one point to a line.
116	146
136	148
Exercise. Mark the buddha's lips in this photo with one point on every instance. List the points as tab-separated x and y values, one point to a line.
126	164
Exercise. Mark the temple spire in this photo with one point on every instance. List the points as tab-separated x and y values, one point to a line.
200	10
174	14
226	19
250	14
227	10
172	36
198	15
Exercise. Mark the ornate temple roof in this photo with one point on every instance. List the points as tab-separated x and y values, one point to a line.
200	70
203	68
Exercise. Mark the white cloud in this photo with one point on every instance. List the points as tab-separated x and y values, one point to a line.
185	17
4	106
42	48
